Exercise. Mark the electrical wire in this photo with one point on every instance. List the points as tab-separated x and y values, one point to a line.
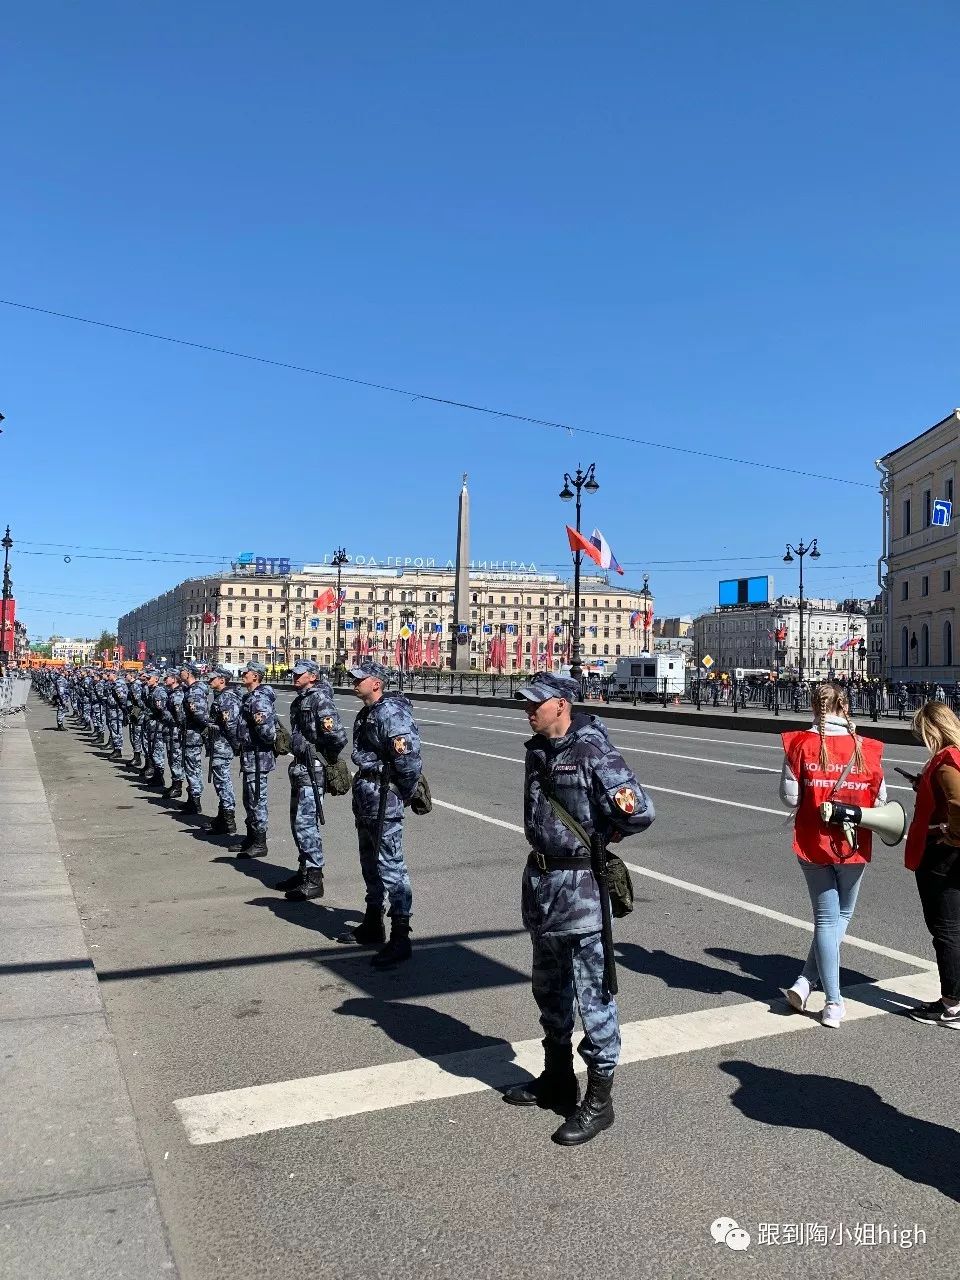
466	405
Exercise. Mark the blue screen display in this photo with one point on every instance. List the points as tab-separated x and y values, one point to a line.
734	591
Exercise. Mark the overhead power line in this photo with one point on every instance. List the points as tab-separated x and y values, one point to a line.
431	398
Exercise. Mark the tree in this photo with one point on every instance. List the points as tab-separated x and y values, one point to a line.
42	650
107	640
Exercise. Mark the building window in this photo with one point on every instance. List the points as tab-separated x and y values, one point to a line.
946	579
948	489
227	658
905	591
229	640
924	585
925	646
906	516
947	645
927	509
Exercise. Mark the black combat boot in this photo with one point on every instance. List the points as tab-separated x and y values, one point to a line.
137	761
175	789
310	887
217	826
255	846
369	932
555	1088
594	1114
155	781
291	882
398	948
192	805
115	754
229	823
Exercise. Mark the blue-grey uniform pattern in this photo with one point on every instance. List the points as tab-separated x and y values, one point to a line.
157	702
256	731
196	710
116	711
385	735
98	701
588	776
314	722
61	694
173	727
223	744
136	715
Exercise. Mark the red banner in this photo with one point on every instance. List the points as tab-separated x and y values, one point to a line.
9	617
141	650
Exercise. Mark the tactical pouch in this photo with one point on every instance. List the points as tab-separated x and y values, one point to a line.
616	874
421	801
281	745
337	777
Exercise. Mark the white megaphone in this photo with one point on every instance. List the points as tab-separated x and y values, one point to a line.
889	821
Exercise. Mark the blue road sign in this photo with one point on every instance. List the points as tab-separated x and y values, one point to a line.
463	628
381	626
314	624
348	626
942	512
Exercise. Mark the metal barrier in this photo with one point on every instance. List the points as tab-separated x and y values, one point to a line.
13	693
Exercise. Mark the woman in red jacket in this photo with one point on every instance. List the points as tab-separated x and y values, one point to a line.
933	852
829	762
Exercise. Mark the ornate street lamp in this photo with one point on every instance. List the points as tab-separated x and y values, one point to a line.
813	551
582	480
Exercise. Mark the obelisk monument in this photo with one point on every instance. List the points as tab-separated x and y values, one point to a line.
460	644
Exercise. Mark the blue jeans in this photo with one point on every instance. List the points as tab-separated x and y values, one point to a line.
833	893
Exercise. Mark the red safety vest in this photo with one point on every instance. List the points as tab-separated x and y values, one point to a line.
813	840
924	808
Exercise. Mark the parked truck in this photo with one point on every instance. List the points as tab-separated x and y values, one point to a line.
648	675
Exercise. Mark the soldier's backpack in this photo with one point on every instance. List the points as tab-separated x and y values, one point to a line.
282	745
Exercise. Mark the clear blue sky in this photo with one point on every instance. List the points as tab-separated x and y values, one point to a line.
726	226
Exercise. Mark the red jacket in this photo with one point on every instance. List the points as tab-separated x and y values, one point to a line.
924	808
813	840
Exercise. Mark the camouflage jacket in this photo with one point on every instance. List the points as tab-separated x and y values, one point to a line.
256	729
588	776
224	738
196	709
315	721
385	733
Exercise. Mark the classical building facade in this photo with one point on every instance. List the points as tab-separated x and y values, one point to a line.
746	637
233	618
918	569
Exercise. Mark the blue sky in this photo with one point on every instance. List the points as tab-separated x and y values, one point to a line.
726	227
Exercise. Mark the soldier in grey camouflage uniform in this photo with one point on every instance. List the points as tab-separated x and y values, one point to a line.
222	745
196	712
571	759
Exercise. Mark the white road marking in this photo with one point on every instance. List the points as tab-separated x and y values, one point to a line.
240	1113
753	907
668	791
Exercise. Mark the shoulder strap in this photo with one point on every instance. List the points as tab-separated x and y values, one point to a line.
568	820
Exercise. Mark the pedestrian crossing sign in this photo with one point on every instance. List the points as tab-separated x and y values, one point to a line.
405	632
707	661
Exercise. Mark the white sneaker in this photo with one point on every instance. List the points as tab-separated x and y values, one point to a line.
832	1015
799	994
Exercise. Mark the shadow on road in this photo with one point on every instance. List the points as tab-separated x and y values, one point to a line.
778	970
854	1115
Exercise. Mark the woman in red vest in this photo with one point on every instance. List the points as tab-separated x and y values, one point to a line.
829	762
933	852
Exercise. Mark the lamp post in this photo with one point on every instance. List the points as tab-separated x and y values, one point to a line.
813	551
582	480
340	558
645	592
6	542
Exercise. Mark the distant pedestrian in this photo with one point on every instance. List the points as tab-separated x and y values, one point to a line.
829	762
933	853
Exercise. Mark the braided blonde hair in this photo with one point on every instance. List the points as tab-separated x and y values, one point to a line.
831	700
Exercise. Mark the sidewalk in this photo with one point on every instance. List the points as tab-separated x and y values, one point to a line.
76	1196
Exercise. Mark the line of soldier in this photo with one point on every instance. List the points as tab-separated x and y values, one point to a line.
579	797
174	716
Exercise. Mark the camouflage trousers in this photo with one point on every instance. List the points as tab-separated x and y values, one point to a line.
256	810
223	782
136	737
96	714
174	744
61	714
193	769
115	727
303	814
568	974
384	869
158	751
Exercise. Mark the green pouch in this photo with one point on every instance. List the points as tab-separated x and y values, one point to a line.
337	777
620	886
421	801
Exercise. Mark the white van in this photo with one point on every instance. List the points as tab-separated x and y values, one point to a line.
645	675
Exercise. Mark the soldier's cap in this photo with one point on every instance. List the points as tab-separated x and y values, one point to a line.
222	672
548	685
171	673
305	667
257	667
191	667
150	671
368	668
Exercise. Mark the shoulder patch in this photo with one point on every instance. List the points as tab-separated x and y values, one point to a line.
400	746
327	723
625	798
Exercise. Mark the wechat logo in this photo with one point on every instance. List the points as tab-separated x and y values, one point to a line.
726	1231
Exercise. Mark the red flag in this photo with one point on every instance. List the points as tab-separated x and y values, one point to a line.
324	600
518	650
141	650
397	652
335	601
579	543
550	640
648	620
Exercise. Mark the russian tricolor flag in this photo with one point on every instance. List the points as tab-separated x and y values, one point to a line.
607	559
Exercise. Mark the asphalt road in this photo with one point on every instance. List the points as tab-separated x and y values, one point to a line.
395	1158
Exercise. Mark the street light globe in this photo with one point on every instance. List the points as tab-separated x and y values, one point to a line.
566	493
815	554
591	486
788	558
